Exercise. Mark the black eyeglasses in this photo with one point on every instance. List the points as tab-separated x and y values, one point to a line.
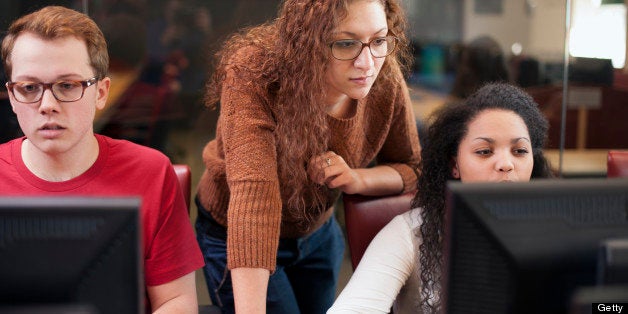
63	91
349	49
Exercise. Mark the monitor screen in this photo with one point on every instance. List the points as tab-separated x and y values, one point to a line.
527	247
70	255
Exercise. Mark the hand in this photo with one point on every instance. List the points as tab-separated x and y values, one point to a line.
331	169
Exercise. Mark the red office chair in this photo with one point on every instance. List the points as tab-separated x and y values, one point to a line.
365	216
617	163
184	175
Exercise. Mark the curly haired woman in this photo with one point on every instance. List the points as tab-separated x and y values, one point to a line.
496	135
313	104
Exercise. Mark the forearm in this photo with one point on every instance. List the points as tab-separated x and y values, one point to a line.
384	269
379	180
250	286
181	304
177	296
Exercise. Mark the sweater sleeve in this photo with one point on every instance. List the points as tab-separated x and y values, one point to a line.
383	270
402	150
254	213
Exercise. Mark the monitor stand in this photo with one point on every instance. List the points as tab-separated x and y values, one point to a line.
613	262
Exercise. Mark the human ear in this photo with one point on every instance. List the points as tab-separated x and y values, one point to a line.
454	169
103	92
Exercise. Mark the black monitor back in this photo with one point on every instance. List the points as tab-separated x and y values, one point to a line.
526	247
70	254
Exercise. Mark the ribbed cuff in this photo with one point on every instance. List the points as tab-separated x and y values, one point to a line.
408	175
254	224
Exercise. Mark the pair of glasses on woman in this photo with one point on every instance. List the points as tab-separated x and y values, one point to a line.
63	91
349	49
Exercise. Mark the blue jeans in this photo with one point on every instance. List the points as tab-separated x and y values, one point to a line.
304	281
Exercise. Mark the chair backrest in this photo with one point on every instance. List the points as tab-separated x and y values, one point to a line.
617	163
184	175
365	216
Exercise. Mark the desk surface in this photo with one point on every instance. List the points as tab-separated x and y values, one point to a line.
579	162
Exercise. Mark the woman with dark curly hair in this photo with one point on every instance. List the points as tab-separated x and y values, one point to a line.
313	104
496	135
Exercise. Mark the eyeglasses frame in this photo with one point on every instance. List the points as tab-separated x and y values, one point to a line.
368	44
85	84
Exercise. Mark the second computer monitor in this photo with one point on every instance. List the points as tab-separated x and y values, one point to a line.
527	247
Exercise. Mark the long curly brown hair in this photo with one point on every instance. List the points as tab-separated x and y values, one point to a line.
445	132
289	60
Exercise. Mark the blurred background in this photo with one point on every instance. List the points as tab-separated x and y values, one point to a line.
568	54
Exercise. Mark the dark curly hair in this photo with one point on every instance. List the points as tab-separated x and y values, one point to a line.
447	128
287	59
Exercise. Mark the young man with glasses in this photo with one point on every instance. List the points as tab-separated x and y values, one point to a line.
56	63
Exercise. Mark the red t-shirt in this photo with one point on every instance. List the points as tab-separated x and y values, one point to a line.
123	169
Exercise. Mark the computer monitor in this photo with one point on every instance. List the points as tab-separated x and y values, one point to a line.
70	255
527	247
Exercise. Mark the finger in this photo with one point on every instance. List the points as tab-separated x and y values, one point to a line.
338	181
333	181
337	159
327	162
316	176
321	161
323	167
315	170
330	160
329	155
335	171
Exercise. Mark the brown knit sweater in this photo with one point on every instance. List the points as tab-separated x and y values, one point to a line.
240	183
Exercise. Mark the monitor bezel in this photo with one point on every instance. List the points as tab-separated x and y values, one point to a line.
122	212
458	194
